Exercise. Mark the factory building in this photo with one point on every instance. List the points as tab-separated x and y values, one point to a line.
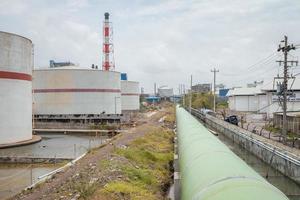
16	61
244	99
272	104
130	95
165	92
202	88
263	99
76	93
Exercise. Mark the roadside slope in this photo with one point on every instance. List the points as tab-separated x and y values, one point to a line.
87	178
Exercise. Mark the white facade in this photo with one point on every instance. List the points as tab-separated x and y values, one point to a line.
262	99
130	95
77	91
165	92
274	106
16	59
244	99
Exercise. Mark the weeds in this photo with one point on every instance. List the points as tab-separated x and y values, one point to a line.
146	172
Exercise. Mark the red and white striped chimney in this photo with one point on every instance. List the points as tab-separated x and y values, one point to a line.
108	57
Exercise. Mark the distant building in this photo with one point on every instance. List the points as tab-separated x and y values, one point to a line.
202	88
263	98
153	99
54	64
255	83
165	92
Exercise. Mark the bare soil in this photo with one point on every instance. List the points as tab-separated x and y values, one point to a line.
64	185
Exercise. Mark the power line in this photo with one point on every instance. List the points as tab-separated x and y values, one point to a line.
283	87
253	67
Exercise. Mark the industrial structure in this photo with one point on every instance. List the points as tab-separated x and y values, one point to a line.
210	170
65	92
165	92
202	88
16	62
130	100
108	48
263	98
76	93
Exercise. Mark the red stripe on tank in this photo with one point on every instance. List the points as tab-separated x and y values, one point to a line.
15	75
75	90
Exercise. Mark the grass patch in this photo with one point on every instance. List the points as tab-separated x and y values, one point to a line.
145	168
126	190
142	170
85	190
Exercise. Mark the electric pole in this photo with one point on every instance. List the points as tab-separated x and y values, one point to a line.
183	99
214	71
285	49
191	93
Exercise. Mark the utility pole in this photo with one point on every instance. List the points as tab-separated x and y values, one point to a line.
214	71
191	93
183	96
285	49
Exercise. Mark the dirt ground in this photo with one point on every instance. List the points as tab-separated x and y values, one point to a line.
63	185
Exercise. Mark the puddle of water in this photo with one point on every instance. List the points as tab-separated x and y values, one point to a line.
56	145
283	183
14	178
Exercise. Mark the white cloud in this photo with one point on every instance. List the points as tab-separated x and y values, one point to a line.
12	7
161	41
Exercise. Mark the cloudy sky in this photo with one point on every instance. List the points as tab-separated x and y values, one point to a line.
162	41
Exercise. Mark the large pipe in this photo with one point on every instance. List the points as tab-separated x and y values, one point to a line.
210	171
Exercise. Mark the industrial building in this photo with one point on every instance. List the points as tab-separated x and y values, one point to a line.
243	99
263	99
76	93
202	88
165	92
16	62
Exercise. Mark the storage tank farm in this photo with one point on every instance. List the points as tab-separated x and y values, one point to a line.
16	63
76	92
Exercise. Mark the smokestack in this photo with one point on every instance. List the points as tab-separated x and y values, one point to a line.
108	58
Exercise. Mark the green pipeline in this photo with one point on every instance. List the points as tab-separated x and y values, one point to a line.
210	171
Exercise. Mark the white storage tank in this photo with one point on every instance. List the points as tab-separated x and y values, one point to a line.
130	95
16	61
73	90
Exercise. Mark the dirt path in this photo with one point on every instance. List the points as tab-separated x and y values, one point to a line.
63	185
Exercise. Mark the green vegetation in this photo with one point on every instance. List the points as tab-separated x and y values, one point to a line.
145	168
222	105
105	126
205	100
272	128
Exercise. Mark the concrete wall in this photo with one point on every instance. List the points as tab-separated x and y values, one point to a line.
282	160
16	61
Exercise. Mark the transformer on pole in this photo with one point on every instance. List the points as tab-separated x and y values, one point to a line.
108	50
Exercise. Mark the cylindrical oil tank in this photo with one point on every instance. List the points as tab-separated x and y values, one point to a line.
211	171
76	91
16	61
130	95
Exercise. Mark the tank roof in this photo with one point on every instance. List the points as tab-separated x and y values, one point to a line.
16	35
